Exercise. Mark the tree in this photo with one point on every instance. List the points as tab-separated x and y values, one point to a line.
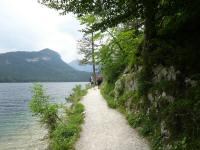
87	46
87	50
149	13
111	13
119	52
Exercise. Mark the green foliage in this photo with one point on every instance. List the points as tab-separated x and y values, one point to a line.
107	92
143	122
156	141
134	120
61	140
193	144
77	94
110	12
41	107
181	118
123	99
180	145
135	97
87	20
118	53
127	96
79	108
65	135
147	127
150	33
63	132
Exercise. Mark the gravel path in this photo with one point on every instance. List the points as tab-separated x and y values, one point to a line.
105	128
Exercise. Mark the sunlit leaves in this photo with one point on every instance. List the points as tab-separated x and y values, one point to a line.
119	52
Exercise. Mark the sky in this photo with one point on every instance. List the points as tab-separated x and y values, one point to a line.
26	25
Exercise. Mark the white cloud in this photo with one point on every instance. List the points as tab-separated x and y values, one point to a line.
28	25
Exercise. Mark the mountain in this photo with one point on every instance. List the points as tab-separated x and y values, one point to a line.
45	65
76	65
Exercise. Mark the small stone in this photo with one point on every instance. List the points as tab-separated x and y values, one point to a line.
150	97
164	94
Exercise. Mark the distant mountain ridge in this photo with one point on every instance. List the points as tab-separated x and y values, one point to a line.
76	65
45	66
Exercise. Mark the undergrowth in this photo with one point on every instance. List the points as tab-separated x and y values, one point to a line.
107	92
148	125
63	132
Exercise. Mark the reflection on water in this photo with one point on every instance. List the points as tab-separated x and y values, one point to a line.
19	130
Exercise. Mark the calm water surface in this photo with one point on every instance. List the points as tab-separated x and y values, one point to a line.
19	130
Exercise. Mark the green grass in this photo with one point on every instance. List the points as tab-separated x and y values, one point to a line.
107	92
66	135
148	126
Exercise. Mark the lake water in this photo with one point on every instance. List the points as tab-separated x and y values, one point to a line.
19	130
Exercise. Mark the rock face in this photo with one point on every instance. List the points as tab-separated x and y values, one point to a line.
161	72
158	96
127	82
165	95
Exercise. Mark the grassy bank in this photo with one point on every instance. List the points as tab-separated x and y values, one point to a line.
63	130
144	124
135	121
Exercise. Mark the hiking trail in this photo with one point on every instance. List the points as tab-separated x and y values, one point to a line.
105	128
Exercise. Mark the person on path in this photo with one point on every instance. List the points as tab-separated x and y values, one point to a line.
99	81
91	80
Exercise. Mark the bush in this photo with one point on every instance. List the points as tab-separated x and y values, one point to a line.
41	107
77	94
108	94
63	132
180	145
65	135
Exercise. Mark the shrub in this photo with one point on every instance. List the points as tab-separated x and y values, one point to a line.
65	135
41	107
63	132
108	94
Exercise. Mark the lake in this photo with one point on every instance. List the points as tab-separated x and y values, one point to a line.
19	130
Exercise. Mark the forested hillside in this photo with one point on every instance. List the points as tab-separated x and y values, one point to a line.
150	64
45	65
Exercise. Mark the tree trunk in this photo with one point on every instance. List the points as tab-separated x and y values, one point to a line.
149	12
150	30
93	60
149	45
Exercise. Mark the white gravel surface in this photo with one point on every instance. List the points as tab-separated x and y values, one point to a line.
106	128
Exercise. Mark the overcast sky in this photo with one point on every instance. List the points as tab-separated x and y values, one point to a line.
26	25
